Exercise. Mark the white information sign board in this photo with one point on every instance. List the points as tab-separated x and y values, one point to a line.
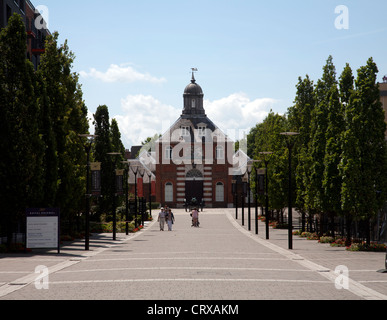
43	228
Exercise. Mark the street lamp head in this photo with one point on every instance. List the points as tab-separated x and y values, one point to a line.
289	134
114	153
134	168
88	136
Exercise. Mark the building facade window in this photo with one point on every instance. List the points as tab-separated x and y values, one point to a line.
184	131
219	153
201	131
169	192
219	192
168	153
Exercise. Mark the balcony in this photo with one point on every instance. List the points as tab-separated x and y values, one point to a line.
38	46
30	28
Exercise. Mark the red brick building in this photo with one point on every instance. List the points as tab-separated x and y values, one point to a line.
194	158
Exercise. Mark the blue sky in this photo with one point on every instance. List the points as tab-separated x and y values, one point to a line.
136	56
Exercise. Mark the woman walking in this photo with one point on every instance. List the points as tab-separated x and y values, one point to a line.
195	217
170	219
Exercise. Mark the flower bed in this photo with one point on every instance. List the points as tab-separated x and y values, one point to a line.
326	239
309	235
338	243
107	227
372	247
341	242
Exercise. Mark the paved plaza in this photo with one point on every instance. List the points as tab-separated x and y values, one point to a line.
221	260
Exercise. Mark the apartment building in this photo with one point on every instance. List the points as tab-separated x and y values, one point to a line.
35	26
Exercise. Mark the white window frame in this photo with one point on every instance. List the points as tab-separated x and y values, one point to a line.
219	153
168	152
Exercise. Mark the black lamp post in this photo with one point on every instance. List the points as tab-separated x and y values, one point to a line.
135	171
114	194
87	146
267	217
244	190
149	174
142	173
256	194
234	193
249	169
290	145
126	195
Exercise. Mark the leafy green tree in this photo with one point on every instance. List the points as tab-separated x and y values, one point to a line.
102	147
50	158
108	141
115	135
364	158
268	139
300	117
332	179
319	126
66	111
346	85
20	143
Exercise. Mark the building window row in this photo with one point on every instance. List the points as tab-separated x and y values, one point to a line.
185	131
219	152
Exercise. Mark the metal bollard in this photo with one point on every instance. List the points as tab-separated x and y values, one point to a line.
386	260
385	270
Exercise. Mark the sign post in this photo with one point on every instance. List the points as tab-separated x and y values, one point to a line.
43	228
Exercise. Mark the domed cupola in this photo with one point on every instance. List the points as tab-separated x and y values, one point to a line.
193	99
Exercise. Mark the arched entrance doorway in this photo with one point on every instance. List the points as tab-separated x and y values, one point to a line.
194	184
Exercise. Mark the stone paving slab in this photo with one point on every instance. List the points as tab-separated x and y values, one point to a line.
221	260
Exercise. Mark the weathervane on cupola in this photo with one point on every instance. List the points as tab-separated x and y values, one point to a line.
193	74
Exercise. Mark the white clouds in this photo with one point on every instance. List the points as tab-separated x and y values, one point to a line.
237	112
120	73
144	116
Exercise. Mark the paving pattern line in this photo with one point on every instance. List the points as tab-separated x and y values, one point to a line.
8	288
184	258
181	268
185	280
27	280
354	286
